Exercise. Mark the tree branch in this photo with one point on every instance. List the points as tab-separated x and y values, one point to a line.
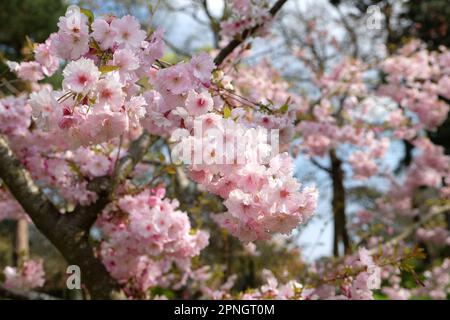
233	44
320	166
434	211
338	204
63	231
105	186
214	24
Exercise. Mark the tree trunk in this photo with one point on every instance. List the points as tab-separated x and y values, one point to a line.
338	204
21	242
65	232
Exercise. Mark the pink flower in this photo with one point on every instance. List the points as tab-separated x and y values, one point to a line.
109	91
125	60
103	33
45	55
30	71
72	40
176	79
28	276
199	103
45	109
128	31
80	76
136	109
100	127
202	65
71	46
152	49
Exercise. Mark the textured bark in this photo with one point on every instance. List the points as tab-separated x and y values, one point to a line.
338	203
63	231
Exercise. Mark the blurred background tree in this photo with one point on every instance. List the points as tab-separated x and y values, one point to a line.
20	19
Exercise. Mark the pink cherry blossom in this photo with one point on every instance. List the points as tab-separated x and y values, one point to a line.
199	103
80	76
128	31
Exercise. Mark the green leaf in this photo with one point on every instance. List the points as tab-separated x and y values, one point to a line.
88	13
284	108
106	69
170	170
226	112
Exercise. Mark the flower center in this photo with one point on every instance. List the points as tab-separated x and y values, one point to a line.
82	79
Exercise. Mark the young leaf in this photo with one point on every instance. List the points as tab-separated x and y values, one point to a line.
106	69
284	108
226	112
89	14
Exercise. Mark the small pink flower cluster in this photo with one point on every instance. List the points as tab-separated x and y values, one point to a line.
437	282
251	83
439	236
274	290
246	14
10	209
180	95
15	116
356	287
144	235
416	78
29	275
100	98
262	199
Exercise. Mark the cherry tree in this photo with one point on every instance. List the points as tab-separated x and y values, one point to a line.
101	166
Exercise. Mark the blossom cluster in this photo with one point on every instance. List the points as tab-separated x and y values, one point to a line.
262	198
269	104
365	276
417	80
437	282
29	275
144	236
245	14
9	207
100	97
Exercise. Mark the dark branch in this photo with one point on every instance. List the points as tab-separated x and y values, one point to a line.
63	231
320	166
233	44
106	186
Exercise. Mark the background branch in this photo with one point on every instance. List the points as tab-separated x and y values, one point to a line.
233	44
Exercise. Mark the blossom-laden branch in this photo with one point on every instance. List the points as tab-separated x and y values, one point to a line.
64	231
69	232
233	44
434	211
105	186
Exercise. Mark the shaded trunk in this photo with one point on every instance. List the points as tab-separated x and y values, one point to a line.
21	242
338	204
65	232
